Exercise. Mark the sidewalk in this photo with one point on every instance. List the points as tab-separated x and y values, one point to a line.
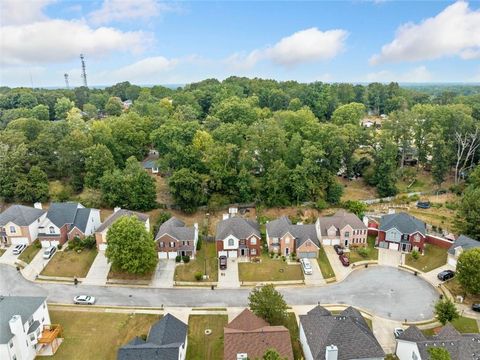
35	267
97	275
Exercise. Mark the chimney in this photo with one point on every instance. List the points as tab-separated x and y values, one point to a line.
38	205
115	209
331	352
16	326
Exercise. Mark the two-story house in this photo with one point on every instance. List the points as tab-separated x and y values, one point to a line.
175	239
236	236
19	224
65	221
102	230
285	238
401	232
343	228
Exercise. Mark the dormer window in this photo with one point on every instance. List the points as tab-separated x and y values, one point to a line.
230	242
347	233
12	229
51	230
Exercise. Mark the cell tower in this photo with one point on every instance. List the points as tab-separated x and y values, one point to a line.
84	72
66	81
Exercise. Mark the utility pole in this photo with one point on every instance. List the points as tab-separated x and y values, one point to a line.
66	81
84	72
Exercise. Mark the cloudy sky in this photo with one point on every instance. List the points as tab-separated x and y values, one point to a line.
156	42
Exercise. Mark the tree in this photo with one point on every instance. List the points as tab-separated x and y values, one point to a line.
186	188
267	303
90	110
356	207
98	160
62	107
440	164
114	106
349	114
131	247
33	187
272	354
469	212
438	353
468	271
41	112
385	169
446	311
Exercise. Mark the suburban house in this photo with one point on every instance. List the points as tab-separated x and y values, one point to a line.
25	329
463	243
175	239
65	221
150	162
248	336
101	232
285	238
345	336
413	344
343	228
19	224
402	232
167	340
236	236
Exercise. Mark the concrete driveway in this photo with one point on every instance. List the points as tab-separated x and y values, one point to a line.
316	278
388	257
228	279
8	257
383	331
164	274
341	272
36	266
431	276
98	273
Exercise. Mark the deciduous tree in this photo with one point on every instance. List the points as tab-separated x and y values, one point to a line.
267	303
468	271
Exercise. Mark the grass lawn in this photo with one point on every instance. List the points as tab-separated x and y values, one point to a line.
29	253
95	335
208	252
201	346
456	289
357	189
292	326
120	275
2	251
433	258
324	264
463	324
269	270
354	256
70	263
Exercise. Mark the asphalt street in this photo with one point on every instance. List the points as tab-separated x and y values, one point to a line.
384	291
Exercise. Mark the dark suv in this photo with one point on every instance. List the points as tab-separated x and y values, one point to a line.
223	262
446	275
338	249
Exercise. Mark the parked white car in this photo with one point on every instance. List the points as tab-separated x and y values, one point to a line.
84	300
48	253
306	266
17	250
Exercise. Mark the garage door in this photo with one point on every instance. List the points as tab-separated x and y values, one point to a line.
232	254
327	242
336	242
19	241
311	254
222	253
102	247
393	246
47	243
162	255
452	261
172	254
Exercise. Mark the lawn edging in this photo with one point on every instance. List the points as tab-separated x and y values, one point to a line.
364	263
262	283
195	283
59	278
128	282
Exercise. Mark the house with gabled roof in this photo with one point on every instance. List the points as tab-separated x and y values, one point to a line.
167	340
19	224
174	239
401	231
238	237
463	243
285	238
343	228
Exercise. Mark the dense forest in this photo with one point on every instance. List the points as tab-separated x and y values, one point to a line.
239	140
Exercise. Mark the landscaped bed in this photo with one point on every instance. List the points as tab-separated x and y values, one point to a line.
70	263
371	253
200	345
269	270
434	257
206	258
96	335
456	289
29	253
325	267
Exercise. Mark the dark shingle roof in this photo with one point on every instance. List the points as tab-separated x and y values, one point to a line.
403	222
81	218
20	215
63	213
177	229
341	219
239	227
465	243
118	214
279	227
348	331
24	306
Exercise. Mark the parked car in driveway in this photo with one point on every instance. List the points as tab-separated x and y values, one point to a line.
338	249
476	307
84	300
445	275
306	266
48	253
344	260
17	250
397	332
223	262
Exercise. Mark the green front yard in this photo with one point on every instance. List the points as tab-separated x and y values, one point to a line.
206	258
115	274
456	289
95	335
362	254
269	270
434	257
463	324
69	263
324	264
2	251
29	253
200	345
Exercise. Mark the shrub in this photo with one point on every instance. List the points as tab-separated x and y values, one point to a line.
186	259
37	244
363	252
415	254
59	246
199	244
320	204
198	276
88	243
178	258
451	205
284	258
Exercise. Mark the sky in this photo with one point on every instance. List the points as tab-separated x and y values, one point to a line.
156	42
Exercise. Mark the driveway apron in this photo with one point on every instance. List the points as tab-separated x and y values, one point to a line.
164	273
228	279
98	273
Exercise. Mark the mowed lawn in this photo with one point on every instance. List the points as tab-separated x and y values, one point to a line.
463	324
434	257
205	257
200	345
70	263
94	335
372	252
29	253
456	289
269	270
324	264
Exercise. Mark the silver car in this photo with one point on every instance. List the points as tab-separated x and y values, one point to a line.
17	250
306	266
48	253
84	300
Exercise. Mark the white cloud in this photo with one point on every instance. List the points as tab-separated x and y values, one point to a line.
303	46
17	12
418	74
453	32
143	71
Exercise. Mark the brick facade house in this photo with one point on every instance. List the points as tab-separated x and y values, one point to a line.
238	237
343	228
175	239
401	232
19	224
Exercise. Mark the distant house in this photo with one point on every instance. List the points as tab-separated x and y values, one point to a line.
65	221
401	232
150	162
167	340
285	238
19	224
101	232
413	344
345	336
175	239
236	236
126	104
463	243
248	336
343	228
25	329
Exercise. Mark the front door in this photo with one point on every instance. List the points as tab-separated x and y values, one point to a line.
287	251
405	247
346	242
242	252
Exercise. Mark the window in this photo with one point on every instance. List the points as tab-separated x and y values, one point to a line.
10	344
253	252
230	242
172	244
51	230
417	238
414	356
162	244
287	241
347	233
12	229
253	241
32	338
30	321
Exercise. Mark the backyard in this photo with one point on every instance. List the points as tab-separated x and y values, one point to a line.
370	252
70	263
269	270
292	326
205	257
95	335
29	253
200	345
324	264
434	257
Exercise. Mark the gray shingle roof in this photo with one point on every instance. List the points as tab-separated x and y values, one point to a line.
403	222
63	213
239	227
177	229
339	220
163	342
348	331
81	218
24	306
20	215
465	243
120	213
281	226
